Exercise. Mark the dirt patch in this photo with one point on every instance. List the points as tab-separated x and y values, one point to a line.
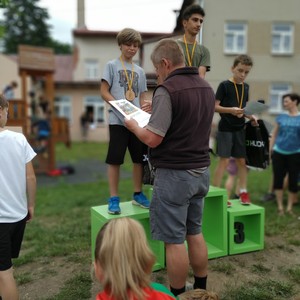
48	277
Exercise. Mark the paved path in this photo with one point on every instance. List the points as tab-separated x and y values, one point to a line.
86	171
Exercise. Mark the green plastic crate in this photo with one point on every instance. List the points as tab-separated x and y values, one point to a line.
99	216
214	224
245	228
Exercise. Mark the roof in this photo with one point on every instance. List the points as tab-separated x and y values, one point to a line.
83	32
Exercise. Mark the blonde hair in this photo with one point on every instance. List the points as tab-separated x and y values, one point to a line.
3	101
125	258
198	294
169	49
129	36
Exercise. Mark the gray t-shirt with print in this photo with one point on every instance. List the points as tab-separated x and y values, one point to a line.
116	78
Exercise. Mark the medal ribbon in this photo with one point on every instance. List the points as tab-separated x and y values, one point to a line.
126	74
189	57
240	101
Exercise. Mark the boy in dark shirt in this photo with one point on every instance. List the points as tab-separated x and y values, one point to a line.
231	98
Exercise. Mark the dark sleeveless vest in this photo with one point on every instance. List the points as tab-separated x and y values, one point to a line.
186	143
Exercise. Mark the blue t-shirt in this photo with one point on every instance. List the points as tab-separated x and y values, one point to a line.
288	137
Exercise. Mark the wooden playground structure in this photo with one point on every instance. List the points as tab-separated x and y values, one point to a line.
38	62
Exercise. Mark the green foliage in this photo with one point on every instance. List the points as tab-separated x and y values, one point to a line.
3	3
26	23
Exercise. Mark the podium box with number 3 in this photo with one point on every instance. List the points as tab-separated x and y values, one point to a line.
245	228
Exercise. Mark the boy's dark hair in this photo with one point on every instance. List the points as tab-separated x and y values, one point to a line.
3	101
129	36
293	97
192	9
244	59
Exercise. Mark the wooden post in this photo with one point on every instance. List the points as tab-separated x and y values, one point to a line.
50	97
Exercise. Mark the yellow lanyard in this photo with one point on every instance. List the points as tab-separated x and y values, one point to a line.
126	74
190	58
240	101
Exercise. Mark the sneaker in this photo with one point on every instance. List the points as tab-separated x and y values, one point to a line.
141	200
113	206
189	286
229	204
268	197
245	200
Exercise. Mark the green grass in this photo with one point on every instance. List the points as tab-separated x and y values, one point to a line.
61	229
261	290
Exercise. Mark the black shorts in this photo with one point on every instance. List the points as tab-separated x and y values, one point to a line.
231	144
121	139
11	237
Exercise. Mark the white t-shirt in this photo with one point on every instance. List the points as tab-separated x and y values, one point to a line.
15	153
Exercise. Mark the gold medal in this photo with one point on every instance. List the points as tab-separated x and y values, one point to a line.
130	95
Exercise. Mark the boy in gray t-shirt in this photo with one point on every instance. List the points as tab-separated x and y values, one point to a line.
123	79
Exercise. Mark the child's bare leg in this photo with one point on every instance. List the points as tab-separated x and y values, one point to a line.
219	171
137	175
242	173
113	173
8	287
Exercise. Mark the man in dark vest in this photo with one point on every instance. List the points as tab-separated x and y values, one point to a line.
178	135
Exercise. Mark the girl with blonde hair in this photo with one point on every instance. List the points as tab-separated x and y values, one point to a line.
124	261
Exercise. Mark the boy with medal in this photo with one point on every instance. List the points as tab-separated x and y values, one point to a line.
231	98
196	55
124	79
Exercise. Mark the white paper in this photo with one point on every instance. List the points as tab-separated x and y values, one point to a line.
128	110
255	107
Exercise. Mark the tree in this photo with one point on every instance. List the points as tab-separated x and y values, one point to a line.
26	23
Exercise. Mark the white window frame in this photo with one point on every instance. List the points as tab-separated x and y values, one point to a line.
92	69
237	33
63	106
282	39
98	104
277	90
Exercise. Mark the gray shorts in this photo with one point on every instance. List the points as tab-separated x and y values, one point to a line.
231	144
177	204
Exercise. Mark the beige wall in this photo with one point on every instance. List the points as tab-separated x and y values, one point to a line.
77	96
259	15
101	49
10	72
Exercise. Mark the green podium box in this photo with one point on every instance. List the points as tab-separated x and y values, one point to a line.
214	223
99	216
245	228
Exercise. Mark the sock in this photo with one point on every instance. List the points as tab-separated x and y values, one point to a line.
136	193
243	191
200	282
176	292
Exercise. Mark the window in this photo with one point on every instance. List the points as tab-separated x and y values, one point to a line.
62	106
91	69
96	106
282	38
235	38
276	93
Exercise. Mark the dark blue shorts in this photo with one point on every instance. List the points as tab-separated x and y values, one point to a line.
11	236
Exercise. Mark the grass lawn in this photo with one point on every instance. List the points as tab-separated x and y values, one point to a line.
60	233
